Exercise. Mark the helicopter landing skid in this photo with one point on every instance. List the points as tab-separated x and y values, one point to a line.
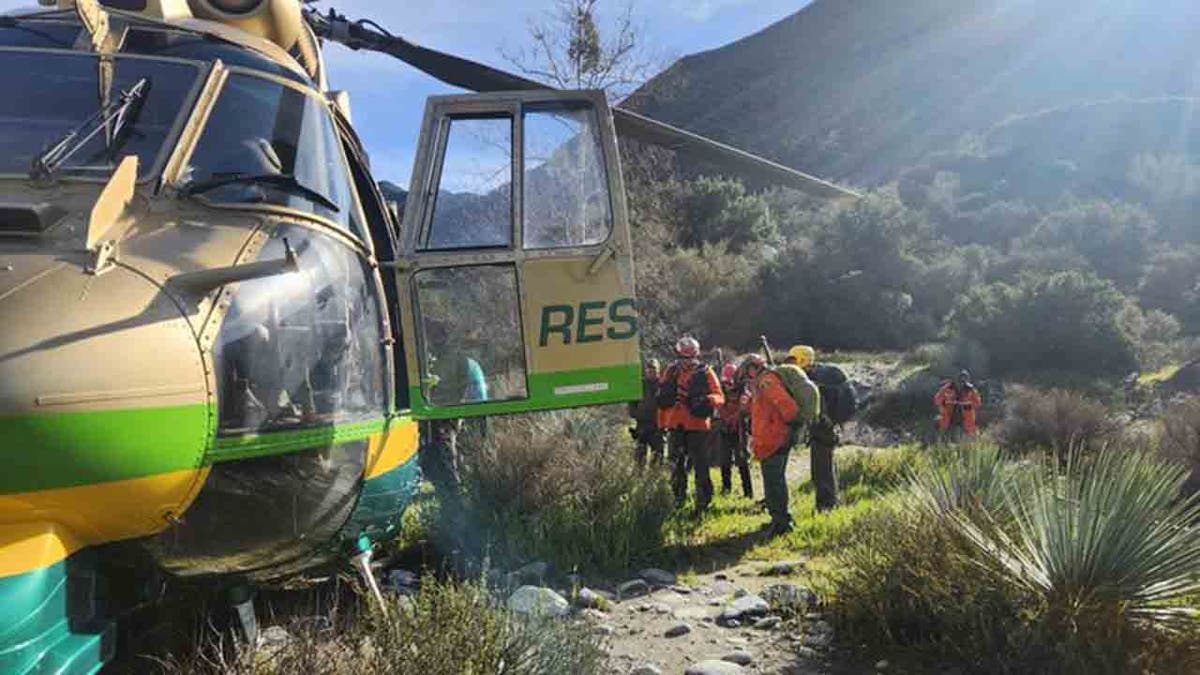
362	563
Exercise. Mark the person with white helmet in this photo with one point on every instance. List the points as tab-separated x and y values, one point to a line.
688	395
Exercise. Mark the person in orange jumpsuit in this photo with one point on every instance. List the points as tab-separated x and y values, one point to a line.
957	402
772	434
689	395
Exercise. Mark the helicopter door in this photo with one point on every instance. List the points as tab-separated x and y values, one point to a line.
515	271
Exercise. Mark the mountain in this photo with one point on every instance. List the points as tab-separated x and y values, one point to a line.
861	90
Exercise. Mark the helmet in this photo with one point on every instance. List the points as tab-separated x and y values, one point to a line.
728	371
754	360
687	347
653	363
803	354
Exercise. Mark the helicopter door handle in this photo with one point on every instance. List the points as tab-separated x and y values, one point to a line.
600	259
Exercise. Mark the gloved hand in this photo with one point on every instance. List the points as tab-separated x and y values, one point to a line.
633	433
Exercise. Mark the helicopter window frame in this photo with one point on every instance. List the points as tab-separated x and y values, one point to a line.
173	136
356	228
445	124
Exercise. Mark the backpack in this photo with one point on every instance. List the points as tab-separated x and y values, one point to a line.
798	387
839	400
668	391
697	393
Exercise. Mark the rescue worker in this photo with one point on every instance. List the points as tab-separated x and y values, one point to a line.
646	434
689	393
731	436
957	402
775	418
837	405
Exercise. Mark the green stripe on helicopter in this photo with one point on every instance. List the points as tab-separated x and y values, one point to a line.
58	450
280	442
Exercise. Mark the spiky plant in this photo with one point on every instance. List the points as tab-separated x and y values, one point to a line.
1100	539
968	477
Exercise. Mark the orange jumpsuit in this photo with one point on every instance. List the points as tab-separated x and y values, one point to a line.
967	401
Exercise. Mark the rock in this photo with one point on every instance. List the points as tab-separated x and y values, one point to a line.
742	658
820	628
586	598
644	607
881	665
605	629
714	667
807	653
819	641
594	615
532	600
789	598
662	608
646	669
678	630
403	580
657	577
682	590
782	569
767	622
632	589
721	576
274	638
732	623
814	616
741	593
747	606
715	602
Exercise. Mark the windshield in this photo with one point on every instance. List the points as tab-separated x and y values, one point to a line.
48	94
261	129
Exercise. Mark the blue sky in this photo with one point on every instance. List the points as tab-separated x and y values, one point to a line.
388	96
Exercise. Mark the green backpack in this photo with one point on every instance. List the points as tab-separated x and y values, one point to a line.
801	389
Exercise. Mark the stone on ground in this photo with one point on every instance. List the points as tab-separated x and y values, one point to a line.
586	598
714	667
646	669
783	568
632	589
745	607
653	575
738	656
538	600
789	598
767	622
677	630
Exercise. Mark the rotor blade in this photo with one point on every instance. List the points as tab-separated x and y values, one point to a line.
475	76
743	163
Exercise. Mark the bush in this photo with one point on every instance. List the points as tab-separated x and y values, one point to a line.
1181	440
908	407
560	487
1057	421
718	210
447	629
1083	569
1066	323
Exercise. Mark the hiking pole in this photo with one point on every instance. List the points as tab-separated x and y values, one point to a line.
766	347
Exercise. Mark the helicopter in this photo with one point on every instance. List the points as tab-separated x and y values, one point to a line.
218	339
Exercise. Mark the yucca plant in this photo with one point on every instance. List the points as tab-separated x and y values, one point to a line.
1103	538
972	476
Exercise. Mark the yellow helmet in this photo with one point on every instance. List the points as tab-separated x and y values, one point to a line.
804	355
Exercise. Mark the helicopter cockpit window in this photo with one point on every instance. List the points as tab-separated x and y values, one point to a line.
302	349
49	94
269	143
473	208
566	187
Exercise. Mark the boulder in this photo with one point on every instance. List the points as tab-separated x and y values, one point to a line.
632	589
745	607
738	656
646	669
531	600
657	577
586	598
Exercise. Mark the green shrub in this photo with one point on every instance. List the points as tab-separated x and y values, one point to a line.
1181	440
907	408
560	487
449	628
1067	322
1057	421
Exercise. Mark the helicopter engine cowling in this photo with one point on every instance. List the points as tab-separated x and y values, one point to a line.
279	21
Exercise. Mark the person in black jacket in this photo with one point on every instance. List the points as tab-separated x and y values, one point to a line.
646	433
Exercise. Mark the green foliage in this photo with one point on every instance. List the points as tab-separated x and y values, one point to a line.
908	407
1113	237
719	210
560	487
449	628
1172	284
1061	323
1181	439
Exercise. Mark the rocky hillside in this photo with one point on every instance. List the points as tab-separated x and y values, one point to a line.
859	90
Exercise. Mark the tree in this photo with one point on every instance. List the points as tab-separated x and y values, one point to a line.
717	210
570	50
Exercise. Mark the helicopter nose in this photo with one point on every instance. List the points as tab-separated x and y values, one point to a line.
104	410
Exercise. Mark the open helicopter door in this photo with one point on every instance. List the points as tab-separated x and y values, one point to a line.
515	273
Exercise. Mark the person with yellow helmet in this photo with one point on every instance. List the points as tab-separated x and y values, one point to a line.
838	405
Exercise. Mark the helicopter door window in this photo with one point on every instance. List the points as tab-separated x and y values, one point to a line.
566	200
473	206
471	344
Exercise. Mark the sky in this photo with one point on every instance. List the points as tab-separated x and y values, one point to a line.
388	96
